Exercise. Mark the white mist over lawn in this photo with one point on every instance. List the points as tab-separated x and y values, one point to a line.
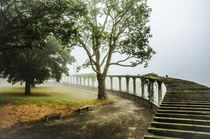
181	31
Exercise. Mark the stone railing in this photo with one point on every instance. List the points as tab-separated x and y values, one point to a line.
149	89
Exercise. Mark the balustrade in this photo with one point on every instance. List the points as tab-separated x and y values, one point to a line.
145	85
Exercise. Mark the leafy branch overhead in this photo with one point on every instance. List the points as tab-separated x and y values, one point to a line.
113	28
28	23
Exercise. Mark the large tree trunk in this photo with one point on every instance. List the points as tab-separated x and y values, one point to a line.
27	87
101	87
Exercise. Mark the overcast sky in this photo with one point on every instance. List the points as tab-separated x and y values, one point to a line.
181	39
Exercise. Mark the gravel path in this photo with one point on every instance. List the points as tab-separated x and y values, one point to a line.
124	119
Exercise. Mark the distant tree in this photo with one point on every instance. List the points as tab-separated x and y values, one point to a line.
27	23
34	66
114	27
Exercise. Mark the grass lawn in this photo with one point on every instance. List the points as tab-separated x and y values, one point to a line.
16	108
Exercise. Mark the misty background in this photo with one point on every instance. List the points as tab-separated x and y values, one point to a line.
181	39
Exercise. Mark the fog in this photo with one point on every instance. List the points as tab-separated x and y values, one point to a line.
181	39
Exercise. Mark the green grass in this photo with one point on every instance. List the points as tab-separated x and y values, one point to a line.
46	94
45	99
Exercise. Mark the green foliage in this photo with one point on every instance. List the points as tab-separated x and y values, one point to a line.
36	65
114	27
150	75
117	27
27	23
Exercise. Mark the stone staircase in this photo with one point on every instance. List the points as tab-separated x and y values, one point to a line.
183	113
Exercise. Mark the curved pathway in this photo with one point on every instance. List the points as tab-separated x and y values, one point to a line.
121	120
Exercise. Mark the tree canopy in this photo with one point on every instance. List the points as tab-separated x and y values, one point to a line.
27	23
114	27
25	29
35	65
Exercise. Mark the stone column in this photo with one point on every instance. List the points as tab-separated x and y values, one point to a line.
72	80
80	81
142	87
77	80
151	90
159	93
92	81
84	78
134	85
111	83
127	84
88	82
120	84
69	79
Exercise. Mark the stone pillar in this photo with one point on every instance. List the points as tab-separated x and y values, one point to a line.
73	80
142	87
159	93
70	79
77	80
80	81
134	85
127	84
88	82
151	90
92	81
111	83
84	78
120	84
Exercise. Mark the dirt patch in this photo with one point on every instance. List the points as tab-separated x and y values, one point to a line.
19	114
122	119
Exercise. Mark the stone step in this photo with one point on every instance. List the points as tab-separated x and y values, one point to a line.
196	99
184	108
187	97
184	112
182	120
185	101
189	127
187	91
188	103
185	105
151	136
187	94
179	133
185	116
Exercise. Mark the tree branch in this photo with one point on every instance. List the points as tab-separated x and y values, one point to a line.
102	62
123	60
126	65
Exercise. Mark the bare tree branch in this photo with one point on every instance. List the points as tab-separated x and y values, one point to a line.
123	60
87	51
126	65
102	62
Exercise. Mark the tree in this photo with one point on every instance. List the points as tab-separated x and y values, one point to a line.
114	27
27	23
34	66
